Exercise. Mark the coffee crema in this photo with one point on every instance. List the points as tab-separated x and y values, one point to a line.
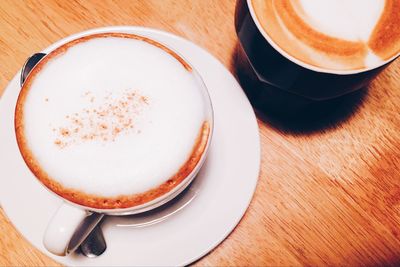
333	34
112	120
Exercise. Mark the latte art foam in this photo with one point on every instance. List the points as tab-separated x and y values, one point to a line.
333	34
112	121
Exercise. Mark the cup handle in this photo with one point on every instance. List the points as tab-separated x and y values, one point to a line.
68	228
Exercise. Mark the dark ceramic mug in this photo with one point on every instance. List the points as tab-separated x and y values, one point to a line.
273	79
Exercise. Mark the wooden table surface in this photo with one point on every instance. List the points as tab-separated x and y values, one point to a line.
329	187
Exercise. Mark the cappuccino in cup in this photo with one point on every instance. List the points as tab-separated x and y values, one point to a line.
333	34
293	53
112	121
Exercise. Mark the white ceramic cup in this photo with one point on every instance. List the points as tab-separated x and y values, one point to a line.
72	223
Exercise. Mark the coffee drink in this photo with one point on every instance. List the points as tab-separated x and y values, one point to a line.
112	120
333	34
294	53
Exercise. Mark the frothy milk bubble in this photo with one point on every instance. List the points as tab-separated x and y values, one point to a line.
113	116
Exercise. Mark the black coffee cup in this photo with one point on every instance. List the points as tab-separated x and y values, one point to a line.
272	80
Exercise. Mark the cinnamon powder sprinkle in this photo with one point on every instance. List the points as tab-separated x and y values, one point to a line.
104	119
64	132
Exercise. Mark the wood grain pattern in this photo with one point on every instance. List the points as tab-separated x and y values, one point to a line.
329	189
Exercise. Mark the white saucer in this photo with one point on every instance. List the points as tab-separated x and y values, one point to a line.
179	233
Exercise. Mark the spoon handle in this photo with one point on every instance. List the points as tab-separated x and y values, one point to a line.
30	63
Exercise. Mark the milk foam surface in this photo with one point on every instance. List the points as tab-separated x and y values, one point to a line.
351	20
142	107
